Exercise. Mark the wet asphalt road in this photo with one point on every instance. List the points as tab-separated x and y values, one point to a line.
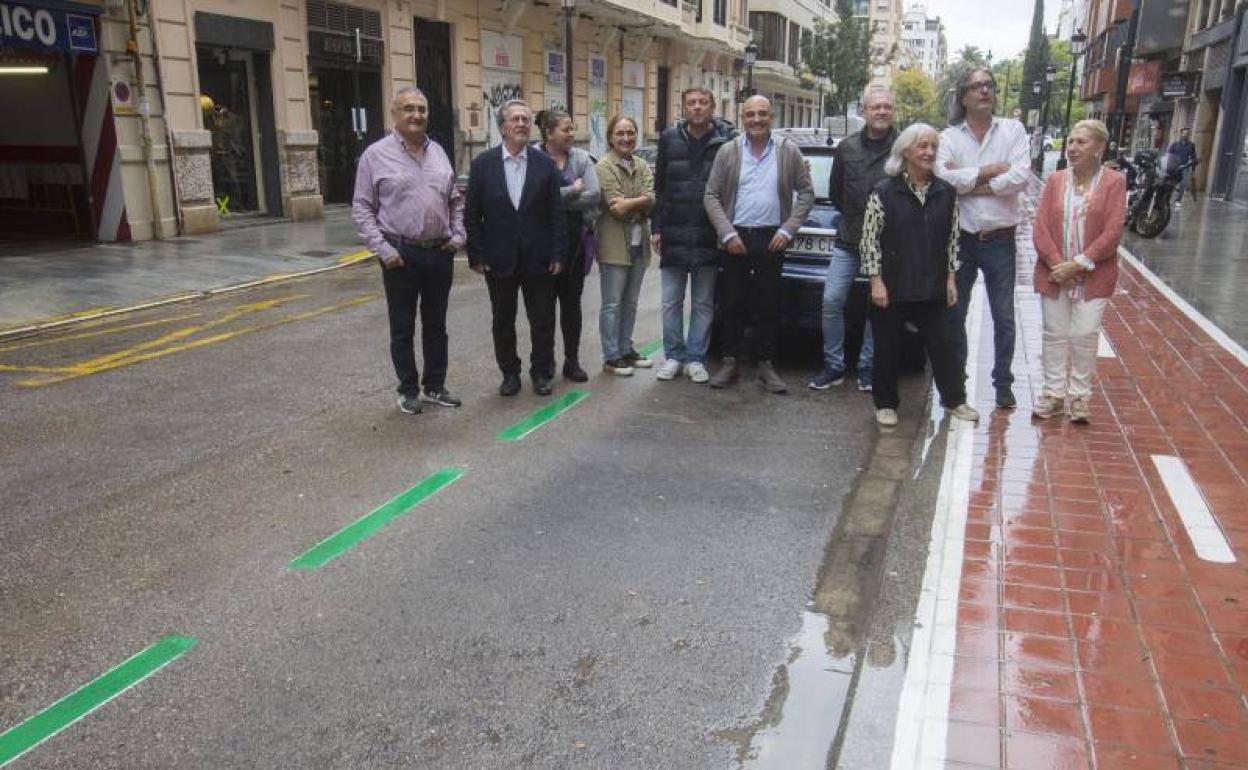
611	591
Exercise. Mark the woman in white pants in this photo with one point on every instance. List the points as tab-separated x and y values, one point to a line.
1077	231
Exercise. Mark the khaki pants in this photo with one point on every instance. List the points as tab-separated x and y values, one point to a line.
1071	329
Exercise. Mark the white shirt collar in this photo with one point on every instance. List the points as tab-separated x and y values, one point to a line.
520	156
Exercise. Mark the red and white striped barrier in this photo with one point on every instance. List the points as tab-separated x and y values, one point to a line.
101	155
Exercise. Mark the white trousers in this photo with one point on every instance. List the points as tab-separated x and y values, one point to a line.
1071	332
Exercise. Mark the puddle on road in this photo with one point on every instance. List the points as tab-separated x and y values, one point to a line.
935	413
809	692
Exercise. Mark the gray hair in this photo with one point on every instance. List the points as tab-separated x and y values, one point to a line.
877	90
957	110
407	91
507	105
896	162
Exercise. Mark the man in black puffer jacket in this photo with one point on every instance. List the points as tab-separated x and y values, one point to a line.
682	233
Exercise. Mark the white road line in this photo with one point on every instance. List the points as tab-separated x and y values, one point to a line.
1103	348
1198	520
921	730
1219	336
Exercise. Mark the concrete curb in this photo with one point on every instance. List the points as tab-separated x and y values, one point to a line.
30	330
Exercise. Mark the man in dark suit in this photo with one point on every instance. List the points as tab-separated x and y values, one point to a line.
516	238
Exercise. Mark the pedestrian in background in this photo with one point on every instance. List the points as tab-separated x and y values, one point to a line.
1077	231
623	244
757	197
1182	154
409	212
516	228
683	235
581	196
858	164
986	159
910	251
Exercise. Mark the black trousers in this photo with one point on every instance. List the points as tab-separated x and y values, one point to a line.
539	306
752	289
569	285
932	319
423	281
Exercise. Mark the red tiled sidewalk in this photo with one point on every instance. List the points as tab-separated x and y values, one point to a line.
1089	633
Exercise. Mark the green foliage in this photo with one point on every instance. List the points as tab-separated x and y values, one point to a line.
841	48
1035	61
914	95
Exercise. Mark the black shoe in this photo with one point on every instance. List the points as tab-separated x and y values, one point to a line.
510	386
1005	397
541	385
410	405
441	397
572	370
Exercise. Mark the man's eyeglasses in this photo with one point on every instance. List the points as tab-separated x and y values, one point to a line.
983	85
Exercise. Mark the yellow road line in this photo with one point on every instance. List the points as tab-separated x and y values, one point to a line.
90	365
98	333
355	256
30	369
148	355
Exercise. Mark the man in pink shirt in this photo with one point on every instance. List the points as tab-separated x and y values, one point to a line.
410	213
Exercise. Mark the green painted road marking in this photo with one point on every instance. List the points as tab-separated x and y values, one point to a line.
22	738
361	529
651	347
544	415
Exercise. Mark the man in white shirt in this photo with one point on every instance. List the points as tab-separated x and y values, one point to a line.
986	159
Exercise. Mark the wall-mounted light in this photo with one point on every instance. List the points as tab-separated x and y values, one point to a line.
24	70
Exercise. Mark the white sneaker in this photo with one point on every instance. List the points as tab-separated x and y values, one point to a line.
670	370
886	417
964	412
697	372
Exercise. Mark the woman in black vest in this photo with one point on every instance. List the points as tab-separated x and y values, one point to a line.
910	251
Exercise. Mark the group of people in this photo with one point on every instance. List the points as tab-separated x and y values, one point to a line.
922	214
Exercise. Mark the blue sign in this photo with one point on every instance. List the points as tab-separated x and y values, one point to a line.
46	28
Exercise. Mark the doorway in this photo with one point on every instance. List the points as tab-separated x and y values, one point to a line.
228	98
347	113
433	77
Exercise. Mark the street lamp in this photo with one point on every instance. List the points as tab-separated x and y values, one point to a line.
1044	89
751	56
821	75
569	10
1077	39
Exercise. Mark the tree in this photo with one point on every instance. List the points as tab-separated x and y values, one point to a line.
914	98
1060	50
1035	61
841	48
1008	73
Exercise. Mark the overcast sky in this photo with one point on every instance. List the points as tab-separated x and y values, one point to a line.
1001	26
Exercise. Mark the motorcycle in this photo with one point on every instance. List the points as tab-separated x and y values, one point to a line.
1149	191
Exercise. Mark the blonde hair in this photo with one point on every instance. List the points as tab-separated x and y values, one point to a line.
1094	127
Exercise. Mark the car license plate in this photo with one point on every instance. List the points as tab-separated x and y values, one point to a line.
813	244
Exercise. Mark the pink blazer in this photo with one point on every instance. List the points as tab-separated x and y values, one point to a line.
1107	212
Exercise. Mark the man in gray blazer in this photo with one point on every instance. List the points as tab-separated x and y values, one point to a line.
758	196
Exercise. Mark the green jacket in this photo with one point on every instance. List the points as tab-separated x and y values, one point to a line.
618	180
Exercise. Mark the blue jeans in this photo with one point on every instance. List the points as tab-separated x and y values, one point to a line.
996	258
620	286
840	279
701	280
1178	198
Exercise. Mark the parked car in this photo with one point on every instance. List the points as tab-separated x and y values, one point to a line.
806	261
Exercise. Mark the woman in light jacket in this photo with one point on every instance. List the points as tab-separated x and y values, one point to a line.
623	231
581	197
1077	231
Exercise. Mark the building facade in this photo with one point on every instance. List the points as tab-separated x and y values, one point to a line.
924	41
166	117
888	54
781	29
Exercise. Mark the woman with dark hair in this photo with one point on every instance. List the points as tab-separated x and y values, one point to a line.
623	244
910	251
581	196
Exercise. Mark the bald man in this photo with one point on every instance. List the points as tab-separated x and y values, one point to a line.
750	201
